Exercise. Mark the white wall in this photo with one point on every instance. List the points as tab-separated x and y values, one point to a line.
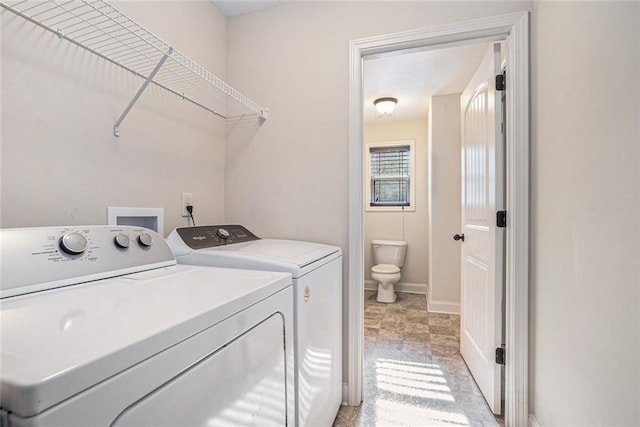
389	225
444	203
290	177
61	164
585	278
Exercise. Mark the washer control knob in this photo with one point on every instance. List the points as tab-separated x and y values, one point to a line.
222	233
122	241
73	243
145	239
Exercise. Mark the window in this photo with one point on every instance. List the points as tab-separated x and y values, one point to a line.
390	181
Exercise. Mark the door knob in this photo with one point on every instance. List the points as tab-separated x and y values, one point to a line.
458	237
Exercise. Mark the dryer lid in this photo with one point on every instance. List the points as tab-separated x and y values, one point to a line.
291	256
291	251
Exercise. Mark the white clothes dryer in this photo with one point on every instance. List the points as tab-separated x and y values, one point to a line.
317	293
100	327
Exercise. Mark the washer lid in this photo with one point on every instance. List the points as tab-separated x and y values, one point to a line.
385	268
292	256
58	343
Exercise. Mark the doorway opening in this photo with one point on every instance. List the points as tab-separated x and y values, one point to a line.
412	328
513	29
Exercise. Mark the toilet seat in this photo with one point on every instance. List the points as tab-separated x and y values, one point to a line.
385	269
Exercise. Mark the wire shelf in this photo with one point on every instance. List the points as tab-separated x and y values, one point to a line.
100	28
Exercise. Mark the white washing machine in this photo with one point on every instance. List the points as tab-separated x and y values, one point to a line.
317	293
100	327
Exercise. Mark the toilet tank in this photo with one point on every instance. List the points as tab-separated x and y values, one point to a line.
389	251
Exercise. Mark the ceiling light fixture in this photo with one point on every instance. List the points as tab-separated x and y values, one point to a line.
385	105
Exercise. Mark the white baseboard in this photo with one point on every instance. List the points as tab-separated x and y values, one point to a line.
533	421
410	288
446	307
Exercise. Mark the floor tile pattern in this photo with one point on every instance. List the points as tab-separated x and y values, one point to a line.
413	372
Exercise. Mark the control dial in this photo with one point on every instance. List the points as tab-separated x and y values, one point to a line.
145	239
222	233
73	243
122	241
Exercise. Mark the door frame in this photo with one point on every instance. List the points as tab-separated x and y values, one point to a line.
514	28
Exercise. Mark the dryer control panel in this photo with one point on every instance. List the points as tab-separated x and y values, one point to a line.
210	236
37	259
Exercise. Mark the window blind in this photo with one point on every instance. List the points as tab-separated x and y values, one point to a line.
390	176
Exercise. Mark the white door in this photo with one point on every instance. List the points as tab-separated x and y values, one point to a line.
482	246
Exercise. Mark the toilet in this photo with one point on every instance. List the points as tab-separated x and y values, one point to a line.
388	256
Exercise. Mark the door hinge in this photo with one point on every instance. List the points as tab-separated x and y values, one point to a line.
501	81
500	355
501	219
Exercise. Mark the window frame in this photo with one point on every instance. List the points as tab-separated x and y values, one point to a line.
412	175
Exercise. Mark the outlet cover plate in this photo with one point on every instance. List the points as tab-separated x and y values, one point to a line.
187	199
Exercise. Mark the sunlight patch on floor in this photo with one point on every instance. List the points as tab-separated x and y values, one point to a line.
424	385
419	368
403	414
414	379
410	375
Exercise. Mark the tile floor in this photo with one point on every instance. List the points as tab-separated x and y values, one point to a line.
413	372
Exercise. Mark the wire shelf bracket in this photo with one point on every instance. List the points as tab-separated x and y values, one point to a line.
100	28
116	127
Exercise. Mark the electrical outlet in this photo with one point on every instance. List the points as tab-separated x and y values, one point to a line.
187	200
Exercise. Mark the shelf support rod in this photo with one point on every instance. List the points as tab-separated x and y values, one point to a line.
116	127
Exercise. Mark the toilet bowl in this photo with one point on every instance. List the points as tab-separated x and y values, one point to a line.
386	275
388	256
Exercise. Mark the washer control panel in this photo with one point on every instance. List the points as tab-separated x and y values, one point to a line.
35	259
209	236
